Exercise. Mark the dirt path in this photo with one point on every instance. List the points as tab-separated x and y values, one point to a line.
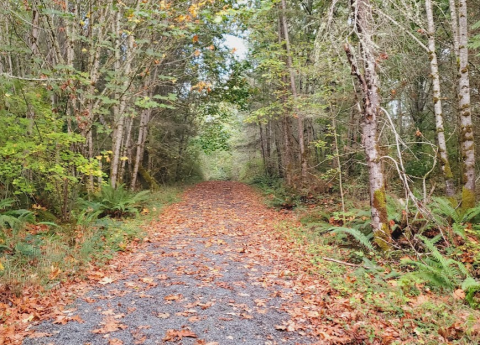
214	272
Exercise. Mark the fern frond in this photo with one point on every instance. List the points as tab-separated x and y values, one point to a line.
442	208
471	213
358	235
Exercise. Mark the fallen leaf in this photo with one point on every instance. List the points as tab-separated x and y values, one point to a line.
109	325
163	315
459	294
177	335
106	280
173	297
40	335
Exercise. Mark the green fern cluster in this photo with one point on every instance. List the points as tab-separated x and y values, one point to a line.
445	214
436	269
363	239
114	202
13	219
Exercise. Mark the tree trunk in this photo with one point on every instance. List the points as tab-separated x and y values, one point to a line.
125	150
119	117
301	141
369	83
35	31
287	142
262	145
142	135
268	147
437	104
276	134
466	125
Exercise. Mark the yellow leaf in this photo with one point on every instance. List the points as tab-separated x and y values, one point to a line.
2	268
124	158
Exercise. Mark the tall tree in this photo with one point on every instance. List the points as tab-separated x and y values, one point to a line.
293	87
437	104
467	142
369	85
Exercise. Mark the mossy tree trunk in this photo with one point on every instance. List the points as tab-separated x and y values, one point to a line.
466	125
459	24
369	85
437	104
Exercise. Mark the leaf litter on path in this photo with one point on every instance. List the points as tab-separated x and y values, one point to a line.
216	272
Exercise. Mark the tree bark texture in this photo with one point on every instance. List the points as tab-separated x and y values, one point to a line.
369	83
466	126
437	104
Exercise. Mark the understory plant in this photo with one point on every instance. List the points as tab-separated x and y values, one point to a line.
114	202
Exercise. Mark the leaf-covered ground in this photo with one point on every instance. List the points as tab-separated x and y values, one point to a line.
214	269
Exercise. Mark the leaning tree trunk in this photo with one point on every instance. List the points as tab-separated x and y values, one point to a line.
437	104
466	125
369	83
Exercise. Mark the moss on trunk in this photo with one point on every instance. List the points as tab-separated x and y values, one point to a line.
383	234
468	199
149	178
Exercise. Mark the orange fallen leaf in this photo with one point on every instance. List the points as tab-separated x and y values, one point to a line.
459	294
177	335
109	325
40	335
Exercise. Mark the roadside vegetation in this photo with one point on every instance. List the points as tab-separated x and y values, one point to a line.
39	255
431	275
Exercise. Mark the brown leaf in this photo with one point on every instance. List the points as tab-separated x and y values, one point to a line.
177	335
163	315
115	341
109	325
459	294
40	335
173	297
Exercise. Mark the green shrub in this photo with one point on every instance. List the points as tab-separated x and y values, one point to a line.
114	202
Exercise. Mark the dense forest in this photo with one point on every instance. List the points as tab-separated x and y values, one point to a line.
364	112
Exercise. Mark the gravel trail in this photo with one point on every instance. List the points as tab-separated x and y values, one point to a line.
212	272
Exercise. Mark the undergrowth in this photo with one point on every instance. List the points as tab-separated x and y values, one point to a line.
376	291
43	255
427	286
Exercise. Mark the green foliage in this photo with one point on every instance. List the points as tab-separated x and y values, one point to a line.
115	202
13	219
42	255
446	215
364	240
436	269
36	150
214	138
278	195
475	40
